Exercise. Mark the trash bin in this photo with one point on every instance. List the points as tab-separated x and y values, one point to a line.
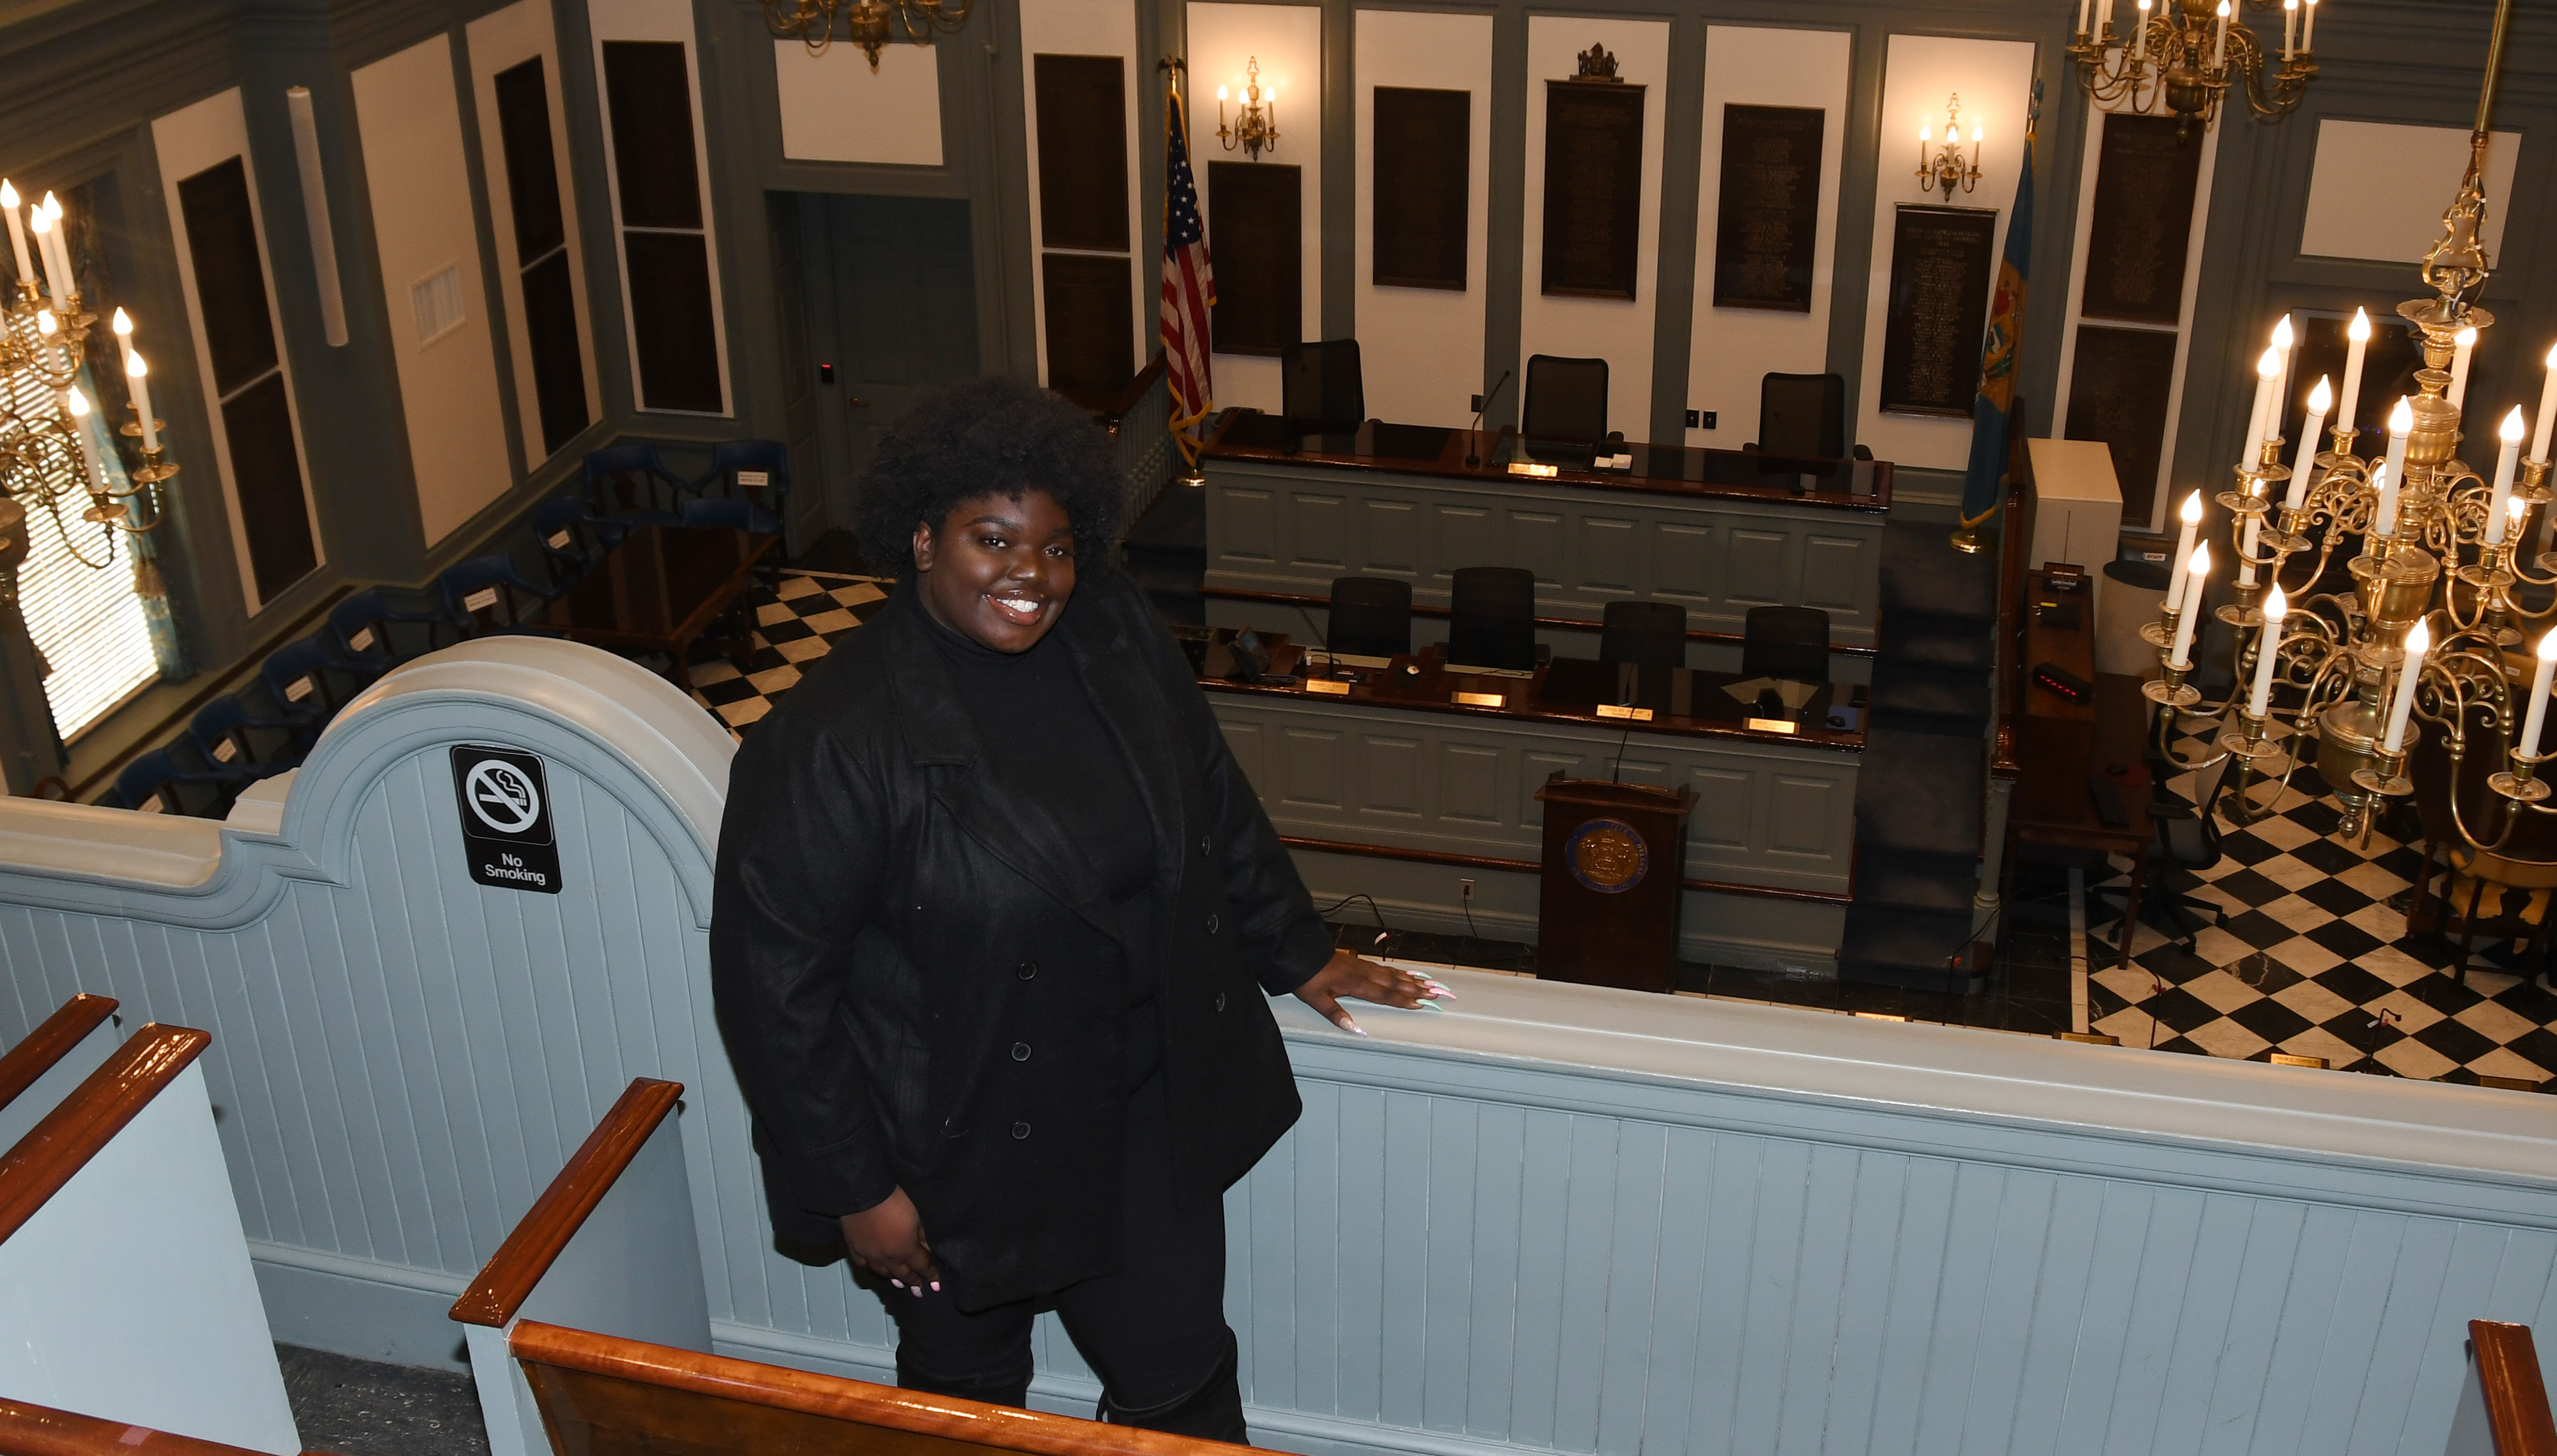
2135	592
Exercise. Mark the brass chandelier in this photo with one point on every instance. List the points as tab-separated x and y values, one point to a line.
48	462
869	24
2181	58
2428	638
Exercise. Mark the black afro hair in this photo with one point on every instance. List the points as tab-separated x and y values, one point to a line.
987	437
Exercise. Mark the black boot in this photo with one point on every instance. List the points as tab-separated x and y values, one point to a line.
993	1389
1212	1411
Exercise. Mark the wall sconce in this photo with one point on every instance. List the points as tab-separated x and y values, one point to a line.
1949	168
1255	122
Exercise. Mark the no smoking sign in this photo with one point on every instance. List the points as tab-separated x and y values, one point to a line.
505	807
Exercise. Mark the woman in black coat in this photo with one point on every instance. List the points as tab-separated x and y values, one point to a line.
996	917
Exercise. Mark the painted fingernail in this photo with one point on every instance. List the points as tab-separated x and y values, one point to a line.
900	1283
1353	1029
917	1293
936	1287
1430	1007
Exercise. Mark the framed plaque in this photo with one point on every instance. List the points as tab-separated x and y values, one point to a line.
1422	143
1939	308
1594	188
2118	393
1767	214
1255	236
2142	230
1081	105
1091	343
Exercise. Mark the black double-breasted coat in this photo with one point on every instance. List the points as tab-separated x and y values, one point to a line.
915	973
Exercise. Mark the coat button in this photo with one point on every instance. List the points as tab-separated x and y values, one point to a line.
1021	1052
949	1125
1211	922
1026	969
1021	1130
1219	1001
1204	851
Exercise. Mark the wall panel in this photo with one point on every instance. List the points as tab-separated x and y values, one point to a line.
1419	345
1094	28
1288	41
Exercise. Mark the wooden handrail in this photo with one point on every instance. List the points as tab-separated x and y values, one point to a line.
508	1278
1550	623
70	1135
29	1430
2517	1397
1111	410
834	1398
49	1043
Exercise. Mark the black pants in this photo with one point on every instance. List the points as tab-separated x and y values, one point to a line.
1154	1331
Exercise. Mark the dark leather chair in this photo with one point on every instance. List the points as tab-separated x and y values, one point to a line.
1566	400
1371	617
1321	386
1652	633
1801	415
1790	642
1492	611
2185	842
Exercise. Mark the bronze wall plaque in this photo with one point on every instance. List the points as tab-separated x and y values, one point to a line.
1082	152
1424	141
1594	188
1939	308
2143	229
1767	215
1091	343
2118	393
1255	237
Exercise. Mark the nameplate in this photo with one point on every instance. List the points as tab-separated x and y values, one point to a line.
2090	1038
1531	467
2508	1084
2285	1059
754	480
1320	658
1877	1016
1333	686
297	690
1480	700
1768	724
226	750
480	600
363	642
558	540
1619	710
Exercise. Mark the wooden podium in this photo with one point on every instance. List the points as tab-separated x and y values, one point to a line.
1615	866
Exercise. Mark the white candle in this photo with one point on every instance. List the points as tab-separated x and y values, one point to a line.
2081	17
43	227
2268	376
2246	545
2308	28
17	231
2539	714
2304	459
2103	15
2191	514
2356	340
2290	25
2220	43
77	404
2184	624
2140	32
137	376
124	337
2383	517
2547	410
2267	647
2462	346
61	241
2418	642
2504	463
2401	422
2287	340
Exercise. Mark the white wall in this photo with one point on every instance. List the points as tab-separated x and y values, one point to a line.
835	108
190	140
1616	330
1288	41
1092	28
424	226
1420	348
2377	189
1730	349
500	41
1995	79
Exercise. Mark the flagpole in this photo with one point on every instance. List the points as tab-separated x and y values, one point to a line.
1993	410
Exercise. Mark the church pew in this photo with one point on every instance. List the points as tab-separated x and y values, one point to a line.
41	1070
29	1430
590	1336
2503	1402
125	1284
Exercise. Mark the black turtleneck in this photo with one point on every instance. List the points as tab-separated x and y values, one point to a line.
1045	740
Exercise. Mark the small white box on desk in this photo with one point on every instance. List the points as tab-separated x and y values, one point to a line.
2076	504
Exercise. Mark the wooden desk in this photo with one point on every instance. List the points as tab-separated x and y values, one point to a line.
659	590
1716	531
1395	789
2061	743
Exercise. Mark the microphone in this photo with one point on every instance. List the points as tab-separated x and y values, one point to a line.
1473	447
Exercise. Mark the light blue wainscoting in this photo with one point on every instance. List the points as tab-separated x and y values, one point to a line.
1556	1220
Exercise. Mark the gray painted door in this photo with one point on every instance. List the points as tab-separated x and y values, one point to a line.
889	297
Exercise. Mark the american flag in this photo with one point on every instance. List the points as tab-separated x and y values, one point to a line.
1189	285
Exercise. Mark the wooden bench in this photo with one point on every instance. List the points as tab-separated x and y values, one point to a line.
125	1283
2503	1404
29	1430
40	1071
590	1336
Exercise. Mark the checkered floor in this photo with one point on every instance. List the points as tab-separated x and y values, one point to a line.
2313	957
793	627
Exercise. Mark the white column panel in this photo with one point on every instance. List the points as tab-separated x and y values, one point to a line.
835	108
1995	79
1617	330
433	294
662	20
2377	189
1092	28
1730	348
1287	39
500	41
1419	347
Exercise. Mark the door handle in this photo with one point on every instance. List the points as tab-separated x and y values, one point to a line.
856	402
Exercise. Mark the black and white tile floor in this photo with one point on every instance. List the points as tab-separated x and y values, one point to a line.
794	625
2313	957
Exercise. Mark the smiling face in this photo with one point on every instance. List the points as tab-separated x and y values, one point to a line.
997	571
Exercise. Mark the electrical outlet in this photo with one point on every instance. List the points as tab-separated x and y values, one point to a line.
1466	888
1701	419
